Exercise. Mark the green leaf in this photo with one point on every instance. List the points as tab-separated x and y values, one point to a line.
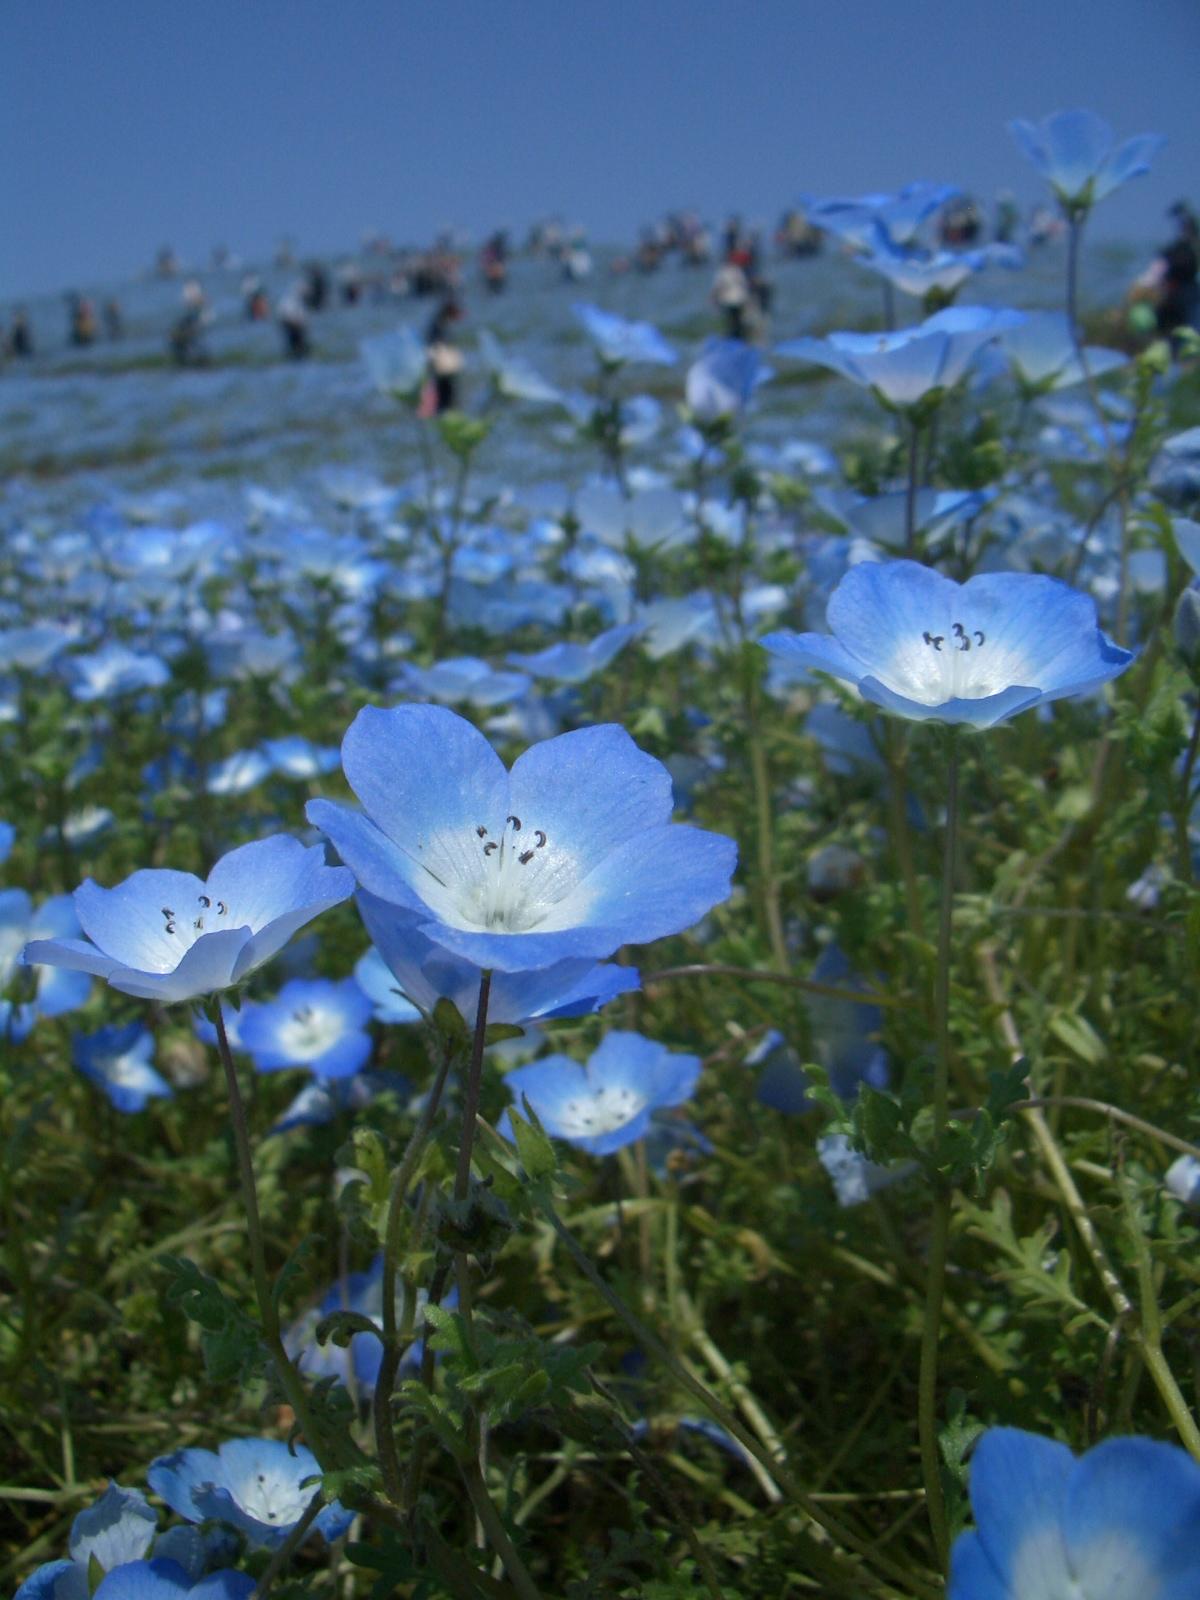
533	1145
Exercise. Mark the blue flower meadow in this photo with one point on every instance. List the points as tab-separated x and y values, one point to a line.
536	1057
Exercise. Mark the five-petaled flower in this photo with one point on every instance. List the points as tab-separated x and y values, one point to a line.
927	648
572	854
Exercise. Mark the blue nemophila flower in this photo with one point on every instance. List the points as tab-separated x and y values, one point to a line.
1183	1181
376	981
855	1178
324	1099
607	1103
513	376
169	936
1042	354
259	1486
722	382
313	1022
113	670
397	363
572	854
361	1292
1119	1523
296	757
119	1061
8	836
619	340
167	1580
421	972
57	992
576	663
912	365
922	646
464	680
115	1535
1077	153
858	219
238	773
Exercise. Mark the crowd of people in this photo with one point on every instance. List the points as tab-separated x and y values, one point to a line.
1164	298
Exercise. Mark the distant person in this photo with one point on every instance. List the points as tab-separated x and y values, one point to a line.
1008	217
20	335
445	359
255	305
1170	283
293	322
186	341
493	262
315	288
81	320
731	296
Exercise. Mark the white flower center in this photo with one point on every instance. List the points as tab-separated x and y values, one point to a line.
269	1500
310	1031
601	1111
503	880
183	925
953	661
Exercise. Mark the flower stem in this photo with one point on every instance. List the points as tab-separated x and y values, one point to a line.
935	1282
385	1442
1183	840
910	501
466	1143
496	1532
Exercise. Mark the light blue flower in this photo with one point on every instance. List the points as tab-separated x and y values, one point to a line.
463	680
361	1292
34	647
855	1178
419	973
1121	1522
1076	152
255	1485
296	757
607	1103
324	1099
57	992
375	979
167	1580
652	519
722	382
572	854
396	362
912	365
238	773
170	936
313	1022
1183	1181
858	218
114	670
119	1060
1042	354
576	663
619	340
8	836
927	648
917	273
513	376
114	1532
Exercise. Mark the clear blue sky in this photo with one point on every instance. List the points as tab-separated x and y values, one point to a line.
126	124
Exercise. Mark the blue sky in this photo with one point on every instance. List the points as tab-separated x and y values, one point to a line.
130	123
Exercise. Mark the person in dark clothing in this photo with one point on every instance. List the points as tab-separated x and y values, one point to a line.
20	335
444	357
1170	283
1179	300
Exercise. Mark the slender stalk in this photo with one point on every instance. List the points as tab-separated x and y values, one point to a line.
466	1143
910	500
1074	236
497	1533
1183	842
290	1545
385	1441
935	1282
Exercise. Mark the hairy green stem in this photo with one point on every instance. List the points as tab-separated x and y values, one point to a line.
935	1283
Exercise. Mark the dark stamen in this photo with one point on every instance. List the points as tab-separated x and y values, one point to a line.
488	848
205	901
979	638
481	830
170	927
516	822
221	907
525	857
541	839
935	639
167	912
